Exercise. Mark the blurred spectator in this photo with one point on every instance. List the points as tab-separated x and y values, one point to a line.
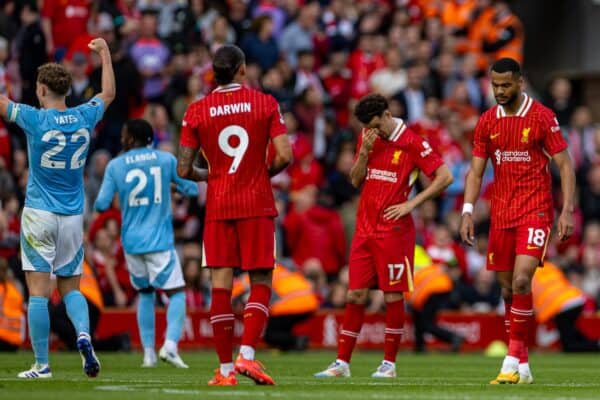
4	80
196	289
220	34
95	172
581	138
305	170
590	260
8	27
339	19
305	75
62	22
337	83
30	46
392	78
338	179
259	45
445	251
10	227
590	194
363	62
275	13
150	56
560	100
127	101
298	35
12	317
483	295
315	232
81	88
412	99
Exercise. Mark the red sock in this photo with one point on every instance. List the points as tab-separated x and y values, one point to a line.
522	313
221	318
507	313
394	329
354	314
256	314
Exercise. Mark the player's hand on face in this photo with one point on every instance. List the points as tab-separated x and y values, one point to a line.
467	229
98	45
566	225
368	139
398	211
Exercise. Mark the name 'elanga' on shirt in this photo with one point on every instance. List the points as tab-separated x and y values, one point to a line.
228	109
135	158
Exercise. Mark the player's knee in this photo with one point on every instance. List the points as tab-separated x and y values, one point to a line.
358	296
521	284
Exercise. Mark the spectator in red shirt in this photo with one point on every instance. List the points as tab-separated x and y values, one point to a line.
363	62
62	22
315	232
305	171
337	83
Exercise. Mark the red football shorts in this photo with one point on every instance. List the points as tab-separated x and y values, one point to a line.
248	243
505	244
385	263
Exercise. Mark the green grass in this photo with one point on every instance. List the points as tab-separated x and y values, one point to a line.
434	376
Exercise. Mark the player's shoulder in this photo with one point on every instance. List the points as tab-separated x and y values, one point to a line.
490	114
539	111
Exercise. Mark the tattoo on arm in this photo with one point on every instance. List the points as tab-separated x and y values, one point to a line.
186	168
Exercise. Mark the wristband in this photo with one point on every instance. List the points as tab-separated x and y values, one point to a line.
467	208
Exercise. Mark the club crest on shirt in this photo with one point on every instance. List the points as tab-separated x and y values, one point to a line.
396	158
525	135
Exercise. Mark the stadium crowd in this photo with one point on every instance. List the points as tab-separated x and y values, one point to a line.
317	58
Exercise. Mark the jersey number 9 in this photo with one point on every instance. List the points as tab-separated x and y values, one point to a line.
236	152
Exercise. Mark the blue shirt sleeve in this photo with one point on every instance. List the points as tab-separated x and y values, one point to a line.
184	186
93	110
107	190
26	117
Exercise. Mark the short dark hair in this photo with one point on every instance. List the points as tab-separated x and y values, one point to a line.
140	130
56	77
369	107
227	61
507	65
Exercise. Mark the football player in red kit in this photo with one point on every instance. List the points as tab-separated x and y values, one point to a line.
388	161
233	127
520	136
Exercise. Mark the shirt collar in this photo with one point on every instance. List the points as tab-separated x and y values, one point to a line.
227	88
523	110
398	131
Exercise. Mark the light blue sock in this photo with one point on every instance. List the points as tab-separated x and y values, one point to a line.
175	316
77	310
145	318
39	327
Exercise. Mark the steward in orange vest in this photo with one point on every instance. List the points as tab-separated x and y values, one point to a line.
293	301
505	36
556	299
430	294
12	326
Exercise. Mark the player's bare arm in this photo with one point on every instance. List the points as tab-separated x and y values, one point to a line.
186	168
359	169
4	106
283	154
472	189
566	222
442	179
108	92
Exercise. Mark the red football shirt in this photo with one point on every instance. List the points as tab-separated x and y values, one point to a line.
233	126
69	19
520	147
392	169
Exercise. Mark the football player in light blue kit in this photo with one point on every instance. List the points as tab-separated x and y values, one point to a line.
52	222
142	178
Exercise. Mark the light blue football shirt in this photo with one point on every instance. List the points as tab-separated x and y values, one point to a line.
142	178
57	145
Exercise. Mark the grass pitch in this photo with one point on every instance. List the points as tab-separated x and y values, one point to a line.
434	376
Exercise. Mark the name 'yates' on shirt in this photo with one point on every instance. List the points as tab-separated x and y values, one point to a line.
229	109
